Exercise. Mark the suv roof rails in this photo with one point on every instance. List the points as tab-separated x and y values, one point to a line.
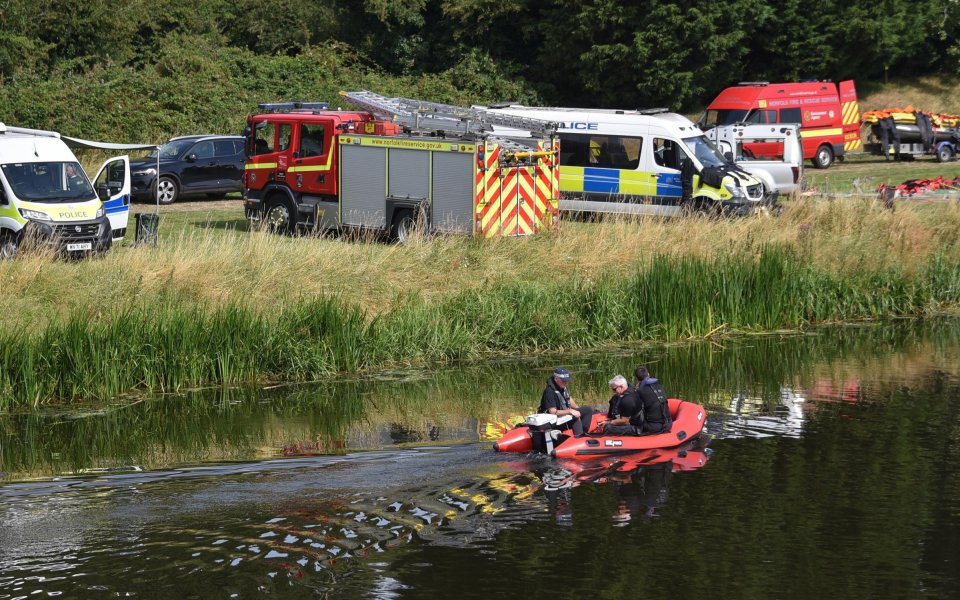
202	136
652	111
193	135
292	106
754	83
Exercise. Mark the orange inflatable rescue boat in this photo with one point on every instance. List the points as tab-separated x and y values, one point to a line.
546	433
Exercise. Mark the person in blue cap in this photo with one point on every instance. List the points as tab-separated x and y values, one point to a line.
556	400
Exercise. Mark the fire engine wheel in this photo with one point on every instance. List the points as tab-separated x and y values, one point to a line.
824	157
280	217
167	190
403	226
945	153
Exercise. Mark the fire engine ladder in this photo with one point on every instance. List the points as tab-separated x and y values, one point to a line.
419	115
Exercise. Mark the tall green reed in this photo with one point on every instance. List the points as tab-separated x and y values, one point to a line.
172	347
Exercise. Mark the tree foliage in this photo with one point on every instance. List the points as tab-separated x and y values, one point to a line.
182	64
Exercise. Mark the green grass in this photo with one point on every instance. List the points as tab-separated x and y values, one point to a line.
862	173
171	347
214	304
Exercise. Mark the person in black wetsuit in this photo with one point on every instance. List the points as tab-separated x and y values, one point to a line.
556	400
625	408
656	411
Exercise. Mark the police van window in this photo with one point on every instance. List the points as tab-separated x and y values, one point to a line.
264	138
286	132
704	150
311	140
600	151
667	153
113	176
48	181
790	115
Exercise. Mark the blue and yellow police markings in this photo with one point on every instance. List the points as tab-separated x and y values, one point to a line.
590	180
116	205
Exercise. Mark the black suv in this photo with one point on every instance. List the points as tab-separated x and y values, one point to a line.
193	164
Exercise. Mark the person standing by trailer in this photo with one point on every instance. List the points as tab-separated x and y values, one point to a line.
656	411
556	400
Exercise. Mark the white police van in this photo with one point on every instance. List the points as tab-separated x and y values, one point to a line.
46	197
642	162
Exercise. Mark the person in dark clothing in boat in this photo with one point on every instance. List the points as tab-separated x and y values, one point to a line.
556	400
625	409
656	411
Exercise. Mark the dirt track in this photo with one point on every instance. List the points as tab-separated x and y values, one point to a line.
190	205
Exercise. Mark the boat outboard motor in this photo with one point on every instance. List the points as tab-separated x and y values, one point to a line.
545	430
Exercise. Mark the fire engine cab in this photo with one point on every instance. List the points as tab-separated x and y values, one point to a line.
396	165
829	119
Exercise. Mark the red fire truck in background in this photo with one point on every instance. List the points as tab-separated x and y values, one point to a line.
829	118
397	164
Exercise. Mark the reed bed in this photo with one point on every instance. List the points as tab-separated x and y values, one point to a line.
245	307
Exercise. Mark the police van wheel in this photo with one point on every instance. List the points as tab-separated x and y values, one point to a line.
8	245
403	226
700	208
167	190
280	218
945	154
824	157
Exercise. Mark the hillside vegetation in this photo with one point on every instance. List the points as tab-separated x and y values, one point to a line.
145	70
933	93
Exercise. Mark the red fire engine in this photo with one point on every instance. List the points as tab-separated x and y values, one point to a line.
829	119
398	164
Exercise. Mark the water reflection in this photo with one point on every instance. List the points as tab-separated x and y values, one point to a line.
642	480
747	416
770	383
853	476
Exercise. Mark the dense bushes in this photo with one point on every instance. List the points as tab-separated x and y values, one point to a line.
146	70
193	86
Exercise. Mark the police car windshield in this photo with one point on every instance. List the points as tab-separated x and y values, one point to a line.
713	118
48	182
172	149
705	151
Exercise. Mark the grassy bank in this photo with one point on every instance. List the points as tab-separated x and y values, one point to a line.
207	258
212	304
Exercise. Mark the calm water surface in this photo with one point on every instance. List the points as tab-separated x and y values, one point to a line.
829	472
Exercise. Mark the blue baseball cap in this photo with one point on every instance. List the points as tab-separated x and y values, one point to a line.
562	374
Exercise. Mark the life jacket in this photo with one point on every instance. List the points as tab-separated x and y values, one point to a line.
633	405
656	411
562	395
